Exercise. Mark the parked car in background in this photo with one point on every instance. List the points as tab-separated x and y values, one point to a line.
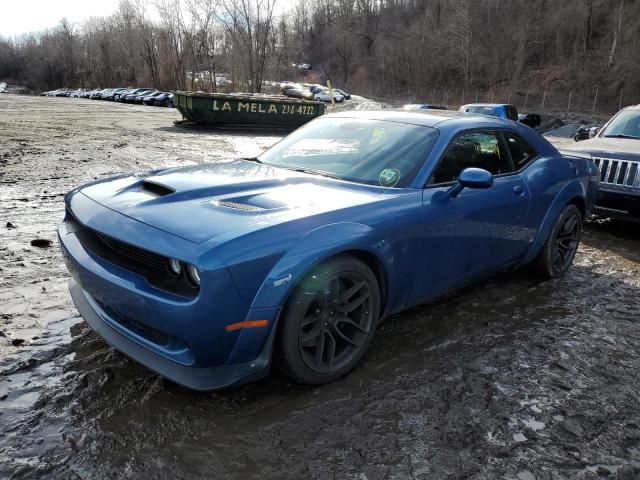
532	120
95	95
103	93
121	97
164	100
300	92
347	96
303	250
325	96
118	96
77	93
138	96
615	149
108	94
423	106
53	93
115	93
502	110
149	99
88	93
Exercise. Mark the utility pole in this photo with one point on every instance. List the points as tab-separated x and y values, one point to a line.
620	102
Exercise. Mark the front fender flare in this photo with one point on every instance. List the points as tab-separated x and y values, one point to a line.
309	251
315	247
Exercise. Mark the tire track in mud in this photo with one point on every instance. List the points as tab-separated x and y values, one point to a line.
513	378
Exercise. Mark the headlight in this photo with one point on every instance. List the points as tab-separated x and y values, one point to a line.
194	275
175	266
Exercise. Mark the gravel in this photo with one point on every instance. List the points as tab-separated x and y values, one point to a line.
513	378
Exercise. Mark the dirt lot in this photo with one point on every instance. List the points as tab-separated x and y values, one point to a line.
514	378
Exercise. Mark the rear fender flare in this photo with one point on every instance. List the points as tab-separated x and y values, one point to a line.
569	192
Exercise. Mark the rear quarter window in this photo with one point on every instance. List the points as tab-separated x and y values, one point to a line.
521	152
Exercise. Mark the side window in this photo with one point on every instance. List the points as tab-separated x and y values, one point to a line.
472	149
521	152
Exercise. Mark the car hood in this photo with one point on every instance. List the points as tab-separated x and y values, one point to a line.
203	202
624	148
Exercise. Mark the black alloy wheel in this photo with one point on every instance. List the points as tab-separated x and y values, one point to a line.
336	323
560	248
567	241
329	321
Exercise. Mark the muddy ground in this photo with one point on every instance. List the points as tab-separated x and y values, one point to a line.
513	378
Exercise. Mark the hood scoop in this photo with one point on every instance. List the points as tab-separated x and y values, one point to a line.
156	189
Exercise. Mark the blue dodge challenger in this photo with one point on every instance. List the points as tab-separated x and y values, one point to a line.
210	274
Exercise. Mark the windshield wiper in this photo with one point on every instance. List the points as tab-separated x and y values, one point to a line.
316	172
622	135
252	159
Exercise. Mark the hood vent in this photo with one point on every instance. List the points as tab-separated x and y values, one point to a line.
239	206
156	189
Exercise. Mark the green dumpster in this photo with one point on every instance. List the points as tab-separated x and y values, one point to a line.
245	109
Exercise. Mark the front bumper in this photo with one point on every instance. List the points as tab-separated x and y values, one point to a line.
202	379
181	338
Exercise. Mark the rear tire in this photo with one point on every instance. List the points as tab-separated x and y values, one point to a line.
560	248
329	321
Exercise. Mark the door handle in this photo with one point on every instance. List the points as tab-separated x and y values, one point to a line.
518	190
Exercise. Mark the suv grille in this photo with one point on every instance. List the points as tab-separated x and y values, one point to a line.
621	173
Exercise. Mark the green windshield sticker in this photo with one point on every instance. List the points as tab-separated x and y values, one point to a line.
389	177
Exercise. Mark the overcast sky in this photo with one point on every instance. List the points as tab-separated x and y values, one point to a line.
23	16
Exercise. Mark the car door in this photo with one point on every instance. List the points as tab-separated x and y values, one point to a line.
479	230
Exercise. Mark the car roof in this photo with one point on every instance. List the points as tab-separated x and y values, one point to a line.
486	105
427	118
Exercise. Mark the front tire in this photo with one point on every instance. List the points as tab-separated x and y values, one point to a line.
560	248
329	321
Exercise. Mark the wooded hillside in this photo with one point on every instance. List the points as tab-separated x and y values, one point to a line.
447	51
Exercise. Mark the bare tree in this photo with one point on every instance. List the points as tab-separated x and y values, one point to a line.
249	24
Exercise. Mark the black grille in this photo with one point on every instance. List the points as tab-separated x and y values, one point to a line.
154	267
145	331
135	254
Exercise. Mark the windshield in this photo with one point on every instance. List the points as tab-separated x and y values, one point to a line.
372	152
625	124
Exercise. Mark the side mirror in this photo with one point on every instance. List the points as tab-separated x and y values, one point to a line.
593	131
471	178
